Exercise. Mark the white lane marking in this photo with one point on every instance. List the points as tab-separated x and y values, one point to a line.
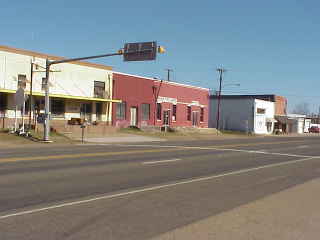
92	144
267	153
148	189
222	149
303	146
163	161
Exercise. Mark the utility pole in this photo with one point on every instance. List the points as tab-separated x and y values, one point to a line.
30	96
168	76
220	71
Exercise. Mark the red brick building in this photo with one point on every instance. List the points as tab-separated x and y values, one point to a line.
151	102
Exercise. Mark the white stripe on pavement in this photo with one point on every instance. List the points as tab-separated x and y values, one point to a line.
155	188
163	161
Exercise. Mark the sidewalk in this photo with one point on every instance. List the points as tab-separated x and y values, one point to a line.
289	215
121	138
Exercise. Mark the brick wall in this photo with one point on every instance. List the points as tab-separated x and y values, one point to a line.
280	105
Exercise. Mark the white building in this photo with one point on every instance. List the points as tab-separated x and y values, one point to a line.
77	90
294	123
242	113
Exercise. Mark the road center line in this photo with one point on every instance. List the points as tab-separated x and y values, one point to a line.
266	153
149	189
167	149
163	161
210	147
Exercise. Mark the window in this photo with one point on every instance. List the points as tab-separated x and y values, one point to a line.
99	89
22	81
86	108
202	115
261	110
159	110
121	111
174	112
145	108
3	102
99	110
189	113
57	107
43	84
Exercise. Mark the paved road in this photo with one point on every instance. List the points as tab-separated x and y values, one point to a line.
139	191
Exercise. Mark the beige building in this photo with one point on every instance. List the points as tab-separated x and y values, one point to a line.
78	90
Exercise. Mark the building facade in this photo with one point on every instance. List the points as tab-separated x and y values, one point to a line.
151	102
293	123
280	102
78	90
242	113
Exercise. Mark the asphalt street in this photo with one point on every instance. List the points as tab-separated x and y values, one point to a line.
139	191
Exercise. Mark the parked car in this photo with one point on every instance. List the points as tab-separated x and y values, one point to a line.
314	129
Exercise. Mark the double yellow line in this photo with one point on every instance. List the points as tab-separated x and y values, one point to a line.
163	149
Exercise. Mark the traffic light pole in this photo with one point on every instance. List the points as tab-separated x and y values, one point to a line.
153	51
46	137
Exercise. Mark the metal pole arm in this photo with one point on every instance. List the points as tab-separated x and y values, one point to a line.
83	58
120	52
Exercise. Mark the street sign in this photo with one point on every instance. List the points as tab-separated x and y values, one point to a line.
142	51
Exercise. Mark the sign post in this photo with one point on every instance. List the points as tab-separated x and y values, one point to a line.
20	102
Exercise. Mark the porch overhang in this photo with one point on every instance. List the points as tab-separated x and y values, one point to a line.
65	96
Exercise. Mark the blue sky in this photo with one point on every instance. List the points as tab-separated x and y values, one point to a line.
267	46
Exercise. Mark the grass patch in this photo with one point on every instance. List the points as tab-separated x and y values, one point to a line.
237	133
7	138
54	136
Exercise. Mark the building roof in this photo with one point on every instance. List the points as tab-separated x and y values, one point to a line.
166	82
265	97
51	57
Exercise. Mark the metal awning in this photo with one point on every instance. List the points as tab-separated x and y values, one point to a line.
284	119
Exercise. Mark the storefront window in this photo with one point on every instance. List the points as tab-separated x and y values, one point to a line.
189	113
174	112
121	111
57	107
159	110
145	108
202	115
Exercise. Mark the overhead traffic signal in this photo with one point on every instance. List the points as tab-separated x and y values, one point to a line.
141	51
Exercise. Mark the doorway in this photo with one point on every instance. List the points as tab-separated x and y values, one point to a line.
166	118
195	119
133	116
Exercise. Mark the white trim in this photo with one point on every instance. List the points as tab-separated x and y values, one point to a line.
166	82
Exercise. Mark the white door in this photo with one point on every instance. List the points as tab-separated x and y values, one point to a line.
133	116
195	119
